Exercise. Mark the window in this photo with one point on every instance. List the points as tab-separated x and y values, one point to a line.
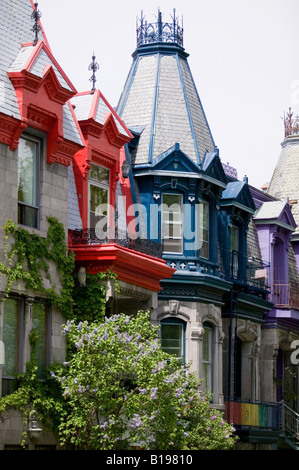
203	208
13	326
234	246
28	181
99	200
39	323
207	351
13	337
172	234
173	337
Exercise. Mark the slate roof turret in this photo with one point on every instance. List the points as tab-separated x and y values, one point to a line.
160	96
285	182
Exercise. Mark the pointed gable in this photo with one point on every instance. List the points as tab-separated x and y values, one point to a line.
275	212
237	194
42	90
34	89
212	167
95	114
174	160
37	60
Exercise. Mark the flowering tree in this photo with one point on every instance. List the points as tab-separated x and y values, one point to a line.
122	390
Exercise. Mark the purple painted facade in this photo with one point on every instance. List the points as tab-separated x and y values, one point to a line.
275	224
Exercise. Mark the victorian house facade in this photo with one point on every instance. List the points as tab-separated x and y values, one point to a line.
141	191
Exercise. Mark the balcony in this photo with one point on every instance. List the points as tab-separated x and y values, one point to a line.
245	415
285	295
134	260
250	271
264	421
122	238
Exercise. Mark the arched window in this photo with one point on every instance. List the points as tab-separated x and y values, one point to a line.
172	336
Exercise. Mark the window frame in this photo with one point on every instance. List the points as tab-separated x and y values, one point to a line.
21	204
202	206
46	335
235	250
208	382
180	323
179	223
101	185
9	381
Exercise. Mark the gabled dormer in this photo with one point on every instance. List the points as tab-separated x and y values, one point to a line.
43	92
97	165
212	168
275	225
102	198
173	160
236	209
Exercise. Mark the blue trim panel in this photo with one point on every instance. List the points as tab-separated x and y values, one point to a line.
153	125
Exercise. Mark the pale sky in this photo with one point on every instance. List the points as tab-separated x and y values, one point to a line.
243	58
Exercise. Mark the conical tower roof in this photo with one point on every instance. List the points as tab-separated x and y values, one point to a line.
285	179
160	102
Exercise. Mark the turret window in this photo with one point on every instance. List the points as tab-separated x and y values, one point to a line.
203	208
172	223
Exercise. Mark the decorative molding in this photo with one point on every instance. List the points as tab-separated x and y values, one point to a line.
197	333
10	131
43	111
132	293
173	307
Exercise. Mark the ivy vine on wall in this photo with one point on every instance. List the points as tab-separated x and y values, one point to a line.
28	257
29	264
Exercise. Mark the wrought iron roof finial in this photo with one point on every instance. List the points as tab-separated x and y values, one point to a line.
160	31
291	125
36	15
94	66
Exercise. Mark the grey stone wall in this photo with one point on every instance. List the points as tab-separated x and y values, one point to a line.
53	201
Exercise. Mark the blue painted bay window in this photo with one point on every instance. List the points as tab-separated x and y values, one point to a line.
172	223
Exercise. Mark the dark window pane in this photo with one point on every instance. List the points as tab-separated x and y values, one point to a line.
10	337
27	215
39	325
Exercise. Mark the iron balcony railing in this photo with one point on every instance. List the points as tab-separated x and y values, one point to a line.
89	236
290	421
248	270
277	418
285	294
